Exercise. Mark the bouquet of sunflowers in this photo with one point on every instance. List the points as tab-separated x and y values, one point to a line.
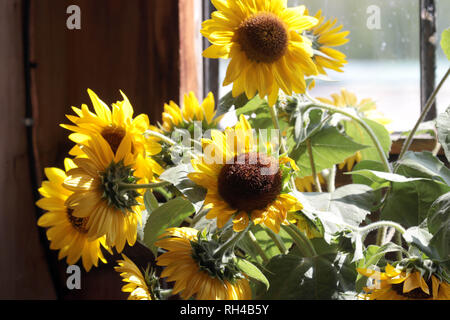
253	209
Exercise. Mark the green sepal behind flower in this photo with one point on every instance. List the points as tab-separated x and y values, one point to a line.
113	179
221	266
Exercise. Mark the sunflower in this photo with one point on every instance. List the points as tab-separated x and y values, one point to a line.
176	117
66	233
194	277
105	190
366	107
112	125
243	184
394	284
264	41
324	36
306	184
136	284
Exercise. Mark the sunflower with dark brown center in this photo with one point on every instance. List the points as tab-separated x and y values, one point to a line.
243	183
113	124
264	42
395	284
263	37
66	232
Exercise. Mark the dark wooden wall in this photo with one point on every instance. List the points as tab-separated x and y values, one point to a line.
128	45
23	267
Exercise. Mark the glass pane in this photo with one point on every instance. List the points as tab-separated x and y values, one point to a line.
383	58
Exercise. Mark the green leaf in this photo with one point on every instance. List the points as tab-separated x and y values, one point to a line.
443	131
293	277
228	101
438	222
178	177
367	165
423	165
380	179
418	236
266	243
171	214
329	147
359	135
409	203
445	42
252	271
348	205
150	201
252	106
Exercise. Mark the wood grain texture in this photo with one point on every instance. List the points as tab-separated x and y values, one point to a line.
122	45
23	267
131	46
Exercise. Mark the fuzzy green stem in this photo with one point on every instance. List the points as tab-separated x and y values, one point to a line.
304	245
381	234
277	240
188	220
131	186
424	113
231	242
331	180
160	136
398	240
380	224
276	125
164	294
313	166
258	248
436	149
362	123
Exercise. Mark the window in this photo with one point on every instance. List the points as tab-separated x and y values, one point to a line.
383	63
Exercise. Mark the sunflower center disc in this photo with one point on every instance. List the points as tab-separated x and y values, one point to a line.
263	37
78	223
251	183
114	136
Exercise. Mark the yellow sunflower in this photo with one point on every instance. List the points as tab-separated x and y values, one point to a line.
136	284
242	183
263	39
66	233
324	36
192	277
366	107
394	284
176	117
105	190
112	125
306	184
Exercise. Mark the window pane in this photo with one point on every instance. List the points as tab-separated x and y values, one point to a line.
383	60
383	63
